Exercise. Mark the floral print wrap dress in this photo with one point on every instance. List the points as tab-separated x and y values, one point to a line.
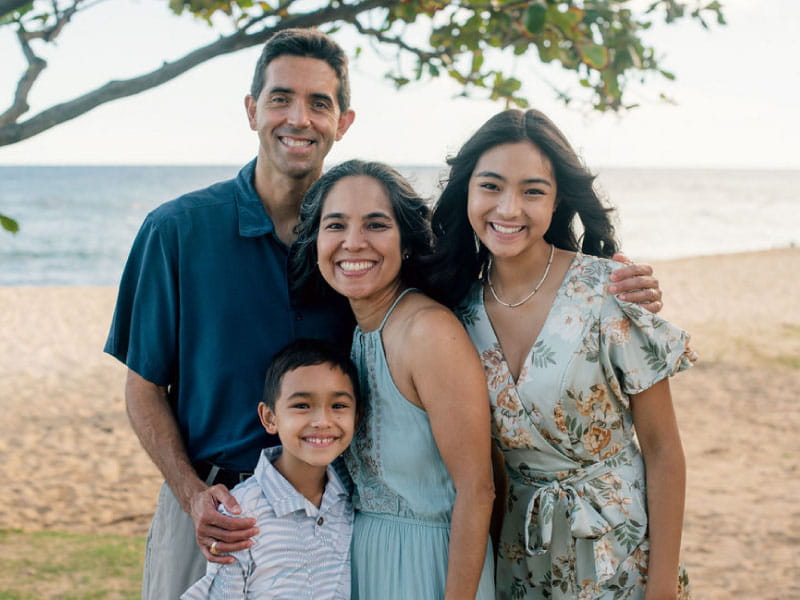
576	521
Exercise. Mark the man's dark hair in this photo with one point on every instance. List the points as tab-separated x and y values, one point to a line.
306	353
309	43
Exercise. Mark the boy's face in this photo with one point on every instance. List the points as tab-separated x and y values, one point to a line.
314	414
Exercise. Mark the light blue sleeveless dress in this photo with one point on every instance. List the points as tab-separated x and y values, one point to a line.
403	493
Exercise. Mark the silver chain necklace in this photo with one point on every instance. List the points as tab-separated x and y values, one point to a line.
533	291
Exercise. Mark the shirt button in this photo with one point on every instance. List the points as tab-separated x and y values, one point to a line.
320	521
298	316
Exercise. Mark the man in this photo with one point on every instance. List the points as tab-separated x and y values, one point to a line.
204	305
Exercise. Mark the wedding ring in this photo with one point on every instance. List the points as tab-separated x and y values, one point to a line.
213	549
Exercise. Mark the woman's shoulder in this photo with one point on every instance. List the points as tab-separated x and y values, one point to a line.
424	319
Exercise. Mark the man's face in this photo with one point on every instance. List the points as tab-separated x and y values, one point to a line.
297	116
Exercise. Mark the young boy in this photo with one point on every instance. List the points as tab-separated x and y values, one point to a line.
301	505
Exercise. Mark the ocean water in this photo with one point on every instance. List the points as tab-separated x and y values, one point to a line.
77	223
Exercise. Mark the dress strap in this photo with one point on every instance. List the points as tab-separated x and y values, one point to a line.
391	308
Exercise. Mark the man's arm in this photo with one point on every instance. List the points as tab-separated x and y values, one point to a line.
635	283
154	423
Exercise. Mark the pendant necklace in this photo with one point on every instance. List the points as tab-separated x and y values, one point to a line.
533	291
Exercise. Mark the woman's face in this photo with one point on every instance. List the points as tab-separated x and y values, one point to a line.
511	198
358	246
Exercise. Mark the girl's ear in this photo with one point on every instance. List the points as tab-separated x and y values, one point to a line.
268	420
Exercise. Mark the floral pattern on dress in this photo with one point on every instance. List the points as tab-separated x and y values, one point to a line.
576	521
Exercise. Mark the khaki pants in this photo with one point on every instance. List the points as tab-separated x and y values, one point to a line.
172	560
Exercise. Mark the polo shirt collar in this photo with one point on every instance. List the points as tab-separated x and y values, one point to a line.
253	219
281	495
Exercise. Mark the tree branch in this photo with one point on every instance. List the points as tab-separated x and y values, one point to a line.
62	18
394	41
113	90
35	66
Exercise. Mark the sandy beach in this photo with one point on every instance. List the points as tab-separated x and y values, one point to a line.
71	462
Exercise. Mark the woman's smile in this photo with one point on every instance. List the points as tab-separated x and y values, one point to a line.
358	246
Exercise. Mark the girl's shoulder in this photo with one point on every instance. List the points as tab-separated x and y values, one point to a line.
591	272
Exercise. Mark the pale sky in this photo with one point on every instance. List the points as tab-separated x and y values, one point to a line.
737	93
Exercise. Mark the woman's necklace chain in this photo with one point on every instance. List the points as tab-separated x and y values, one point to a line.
533	291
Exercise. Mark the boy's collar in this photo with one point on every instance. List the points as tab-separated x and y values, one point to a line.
283	497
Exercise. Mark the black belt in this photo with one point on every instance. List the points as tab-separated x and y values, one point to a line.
227	477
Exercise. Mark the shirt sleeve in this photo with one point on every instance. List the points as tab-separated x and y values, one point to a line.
143	332
638	348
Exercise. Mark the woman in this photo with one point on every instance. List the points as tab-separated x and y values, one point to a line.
575	375
420	459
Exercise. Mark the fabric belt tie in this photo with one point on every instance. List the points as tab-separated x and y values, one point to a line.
586	519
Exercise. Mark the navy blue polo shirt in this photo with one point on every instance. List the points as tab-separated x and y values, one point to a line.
203	307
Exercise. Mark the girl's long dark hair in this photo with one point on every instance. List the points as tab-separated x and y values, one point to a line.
458	259
410	212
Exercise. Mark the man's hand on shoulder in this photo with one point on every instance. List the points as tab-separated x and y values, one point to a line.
212	528
635	283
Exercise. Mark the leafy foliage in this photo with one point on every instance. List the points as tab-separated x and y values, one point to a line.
600	41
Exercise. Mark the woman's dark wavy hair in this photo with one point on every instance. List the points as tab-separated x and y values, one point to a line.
410	212
457	263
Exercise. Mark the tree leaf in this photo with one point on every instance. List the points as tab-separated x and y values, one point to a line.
592	54
564	20
9	224
535	17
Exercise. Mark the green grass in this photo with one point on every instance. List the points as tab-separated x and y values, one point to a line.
68	566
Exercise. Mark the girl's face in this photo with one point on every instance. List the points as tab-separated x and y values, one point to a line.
358	245
511	198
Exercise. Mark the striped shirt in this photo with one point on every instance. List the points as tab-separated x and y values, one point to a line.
301	552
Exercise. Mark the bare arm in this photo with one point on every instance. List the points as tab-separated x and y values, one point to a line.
635	283
501	487
665	467
154	424
449	381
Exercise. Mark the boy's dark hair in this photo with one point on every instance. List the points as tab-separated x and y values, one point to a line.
309	43
306	353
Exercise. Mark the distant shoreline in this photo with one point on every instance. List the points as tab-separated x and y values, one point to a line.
654	262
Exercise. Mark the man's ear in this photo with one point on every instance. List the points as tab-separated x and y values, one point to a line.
345	120
250	105
267	416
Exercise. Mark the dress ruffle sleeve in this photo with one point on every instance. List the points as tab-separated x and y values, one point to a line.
638	348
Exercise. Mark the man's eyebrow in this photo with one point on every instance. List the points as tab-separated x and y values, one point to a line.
281	90
321	96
